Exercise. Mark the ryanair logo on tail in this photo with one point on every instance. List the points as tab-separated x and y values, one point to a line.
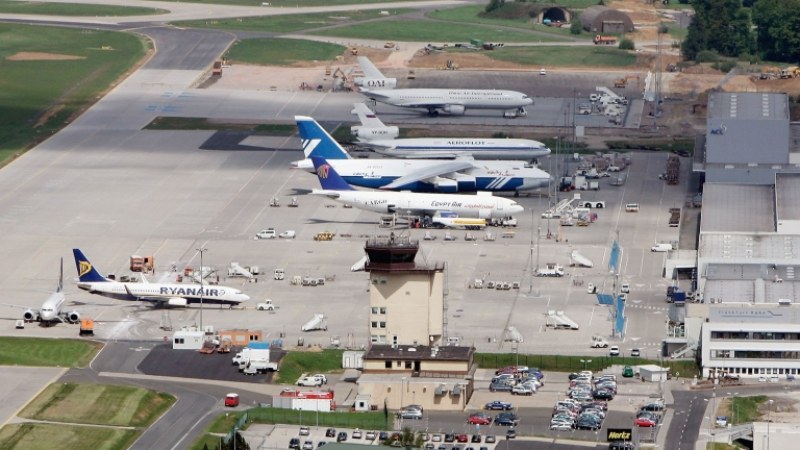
85	267
323	171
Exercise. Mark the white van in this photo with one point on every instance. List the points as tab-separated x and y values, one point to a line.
663	247
631	207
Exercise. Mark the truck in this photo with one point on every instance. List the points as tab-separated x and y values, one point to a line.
255	366
504	222
280	274
310	381
266	305
254	351
599	204
550	270
598	342
675	295
674	217
604	40
268	233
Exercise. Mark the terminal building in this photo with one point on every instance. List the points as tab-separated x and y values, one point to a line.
745	318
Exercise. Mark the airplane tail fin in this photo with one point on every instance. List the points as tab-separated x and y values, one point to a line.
366	116
370	71
86	272
329	179
317	142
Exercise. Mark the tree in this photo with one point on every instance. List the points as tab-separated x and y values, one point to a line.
778	29
494	4
575	26
721	25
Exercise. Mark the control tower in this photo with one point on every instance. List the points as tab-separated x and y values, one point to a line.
406	298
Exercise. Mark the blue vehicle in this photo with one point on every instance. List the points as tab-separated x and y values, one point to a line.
506	419
497	405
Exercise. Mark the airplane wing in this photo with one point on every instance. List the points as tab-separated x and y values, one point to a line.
429	172
370	71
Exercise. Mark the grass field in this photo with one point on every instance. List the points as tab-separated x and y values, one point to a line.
16	351
45	436
566	56
54	90
469	14
289	23
97	404
295	363
745	409
287	3
414	30
280	52
74	9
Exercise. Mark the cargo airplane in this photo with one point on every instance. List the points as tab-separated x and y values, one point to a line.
161	294
451	101
51	310
372	133
418	175
482	205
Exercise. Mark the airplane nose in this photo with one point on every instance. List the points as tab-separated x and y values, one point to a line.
516	208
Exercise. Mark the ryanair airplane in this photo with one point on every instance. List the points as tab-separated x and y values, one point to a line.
162	294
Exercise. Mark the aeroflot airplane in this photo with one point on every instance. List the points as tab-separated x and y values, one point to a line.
451	101
481	205
164	294
374	134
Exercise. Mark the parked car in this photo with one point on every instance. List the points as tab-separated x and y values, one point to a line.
603	394
308	445
506	419
479	419
294	443
523	389
341	437
613	351
305	431
449	437
652	406
356	434
511	433
635	352
560	426
498	405
627	372
490	439
644	421
371	436
410	413
501	387
330	432
476	438
461	437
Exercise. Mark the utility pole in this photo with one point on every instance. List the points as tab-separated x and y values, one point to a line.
201	250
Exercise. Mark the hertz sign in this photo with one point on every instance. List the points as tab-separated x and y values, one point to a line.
619	434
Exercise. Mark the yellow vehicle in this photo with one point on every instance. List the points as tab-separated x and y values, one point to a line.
323	236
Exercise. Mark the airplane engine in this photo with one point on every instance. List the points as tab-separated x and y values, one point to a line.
177	301
73	317
454	109
485	213
445	185
372	83
372	133
29	315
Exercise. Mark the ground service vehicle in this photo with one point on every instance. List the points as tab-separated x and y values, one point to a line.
662	247
232	399
604	40
268	233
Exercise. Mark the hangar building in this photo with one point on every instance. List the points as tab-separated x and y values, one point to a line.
601	19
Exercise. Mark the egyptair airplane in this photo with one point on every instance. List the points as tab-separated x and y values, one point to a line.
51	310
450	101
372	133
162	294
481	205
417	175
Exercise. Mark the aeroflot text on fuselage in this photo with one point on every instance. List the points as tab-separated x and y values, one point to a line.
175	290
452	142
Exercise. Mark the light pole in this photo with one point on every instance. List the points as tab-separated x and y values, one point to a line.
201	250
585	362
769	419
402	388
735	420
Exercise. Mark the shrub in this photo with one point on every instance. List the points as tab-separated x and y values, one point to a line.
626	44
575	27
707	56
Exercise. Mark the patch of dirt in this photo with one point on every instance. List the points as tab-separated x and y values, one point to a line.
40	56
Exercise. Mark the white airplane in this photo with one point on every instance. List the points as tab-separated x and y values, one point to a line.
50	312
451	101
373	78
162	294
381	138
481	205
418	175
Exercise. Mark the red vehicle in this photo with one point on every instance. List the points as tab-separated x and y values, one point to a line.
232	400
644	422
462	438
479	419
